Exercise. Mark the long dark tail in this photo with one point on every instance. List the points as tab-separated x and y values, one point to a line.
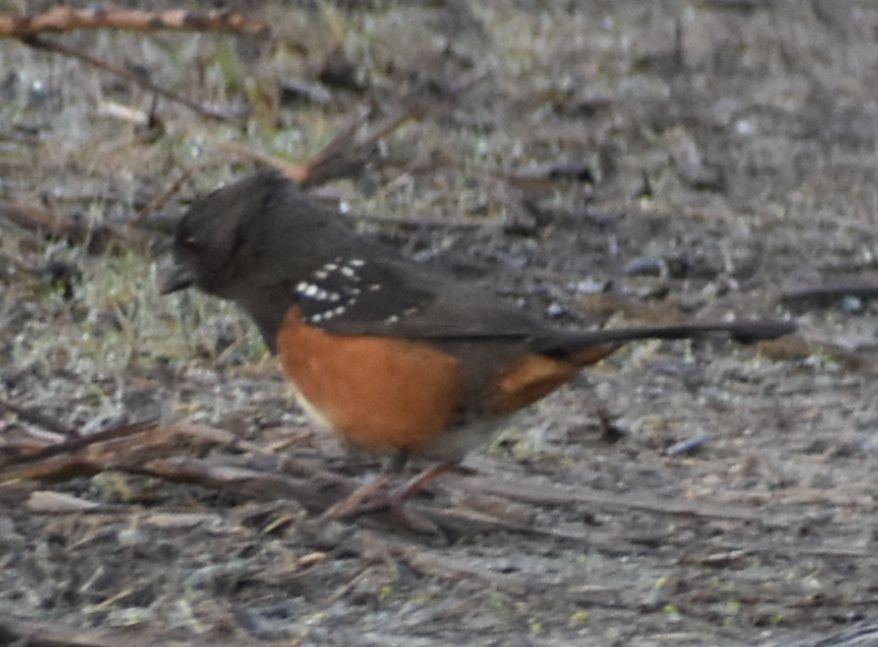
588	346
745	332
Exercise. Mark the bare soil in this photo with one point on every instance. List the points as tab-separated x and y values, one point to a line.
604	162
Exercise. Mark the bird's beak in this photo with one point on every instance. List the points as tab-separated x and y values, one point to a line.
176	277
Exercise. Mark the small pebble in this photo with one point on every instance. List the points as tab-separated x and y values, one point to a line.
587	286
852	305
129	537
646	266
688	446
556	310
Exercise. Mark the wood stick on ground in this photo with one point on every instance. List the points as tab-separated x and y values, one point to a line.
294	171
76	230
25	631
436	564
342	140
63	18
550	494
126	448
38	42
343	156
39	418
829	292
159	201
35	462
18	630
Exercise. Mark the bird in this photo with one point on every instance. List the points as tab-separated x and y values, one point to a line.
395	357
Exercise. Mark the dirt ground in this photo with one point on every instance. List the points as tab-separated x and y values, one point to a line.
607	163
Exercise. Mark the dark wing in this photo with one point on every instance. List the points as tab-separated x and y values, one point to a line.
349	290
395	297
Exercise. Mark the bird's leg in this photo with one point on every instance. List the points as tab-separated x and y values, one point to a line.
375	496
398	496
365	497
359	498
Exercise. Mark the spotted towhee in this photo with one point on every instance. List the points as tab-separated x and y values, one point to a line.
390	355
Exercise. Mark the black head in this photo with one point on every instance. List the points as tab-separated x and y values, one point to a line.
212	244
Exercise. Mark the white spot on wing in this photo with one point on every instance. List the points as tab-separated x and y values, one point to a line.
336	287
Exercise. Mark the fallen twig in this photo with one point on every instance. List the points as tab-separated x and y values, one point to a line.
159	201
313	493
78	443
17	630
39	418
63	18
434	564
793	347
49	502
828	292
549	494
343	156
126	447
76	230
790	550
41	43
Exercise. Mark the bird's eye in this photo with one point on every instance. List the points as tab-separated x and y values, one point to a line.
191	242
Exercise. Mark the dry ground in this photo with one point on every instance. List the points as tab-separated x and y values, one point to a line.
604	162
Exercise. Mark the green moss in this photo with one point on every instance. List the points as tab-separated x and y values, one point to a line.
534	627
386	592
578	618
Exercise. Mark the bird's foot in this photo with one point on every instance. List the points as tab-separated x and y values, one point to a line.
376	496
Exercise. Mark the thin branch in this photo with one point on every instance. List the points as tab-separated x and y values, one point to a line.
343	156
40	419
159	201
433	563
859	288
62	18
18	630
76	230
51	46
32	465
531	491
